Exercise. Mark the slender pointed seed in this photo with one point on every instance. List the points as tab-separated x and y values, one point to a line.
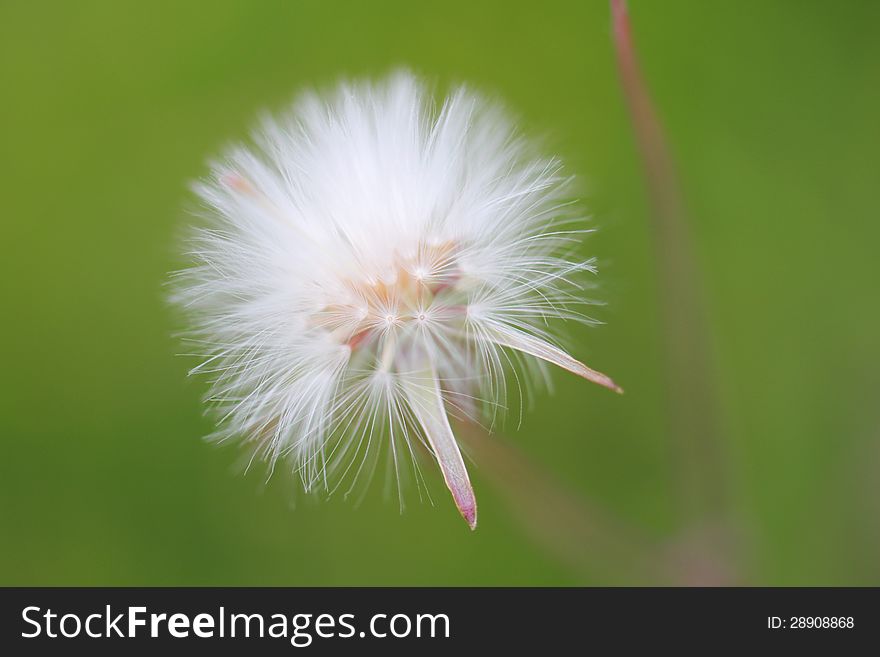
506	337
422	391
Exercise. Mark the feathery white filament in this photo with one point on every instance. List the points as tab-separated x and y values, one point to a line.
363	269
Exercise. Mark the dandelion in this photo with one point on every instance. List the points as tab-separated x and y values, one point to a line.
375	264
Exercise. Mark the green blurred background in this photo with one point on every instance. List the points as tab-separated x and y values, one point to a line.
110	108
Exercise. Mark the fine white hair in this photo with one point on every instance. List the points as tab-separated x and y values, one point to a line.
374	262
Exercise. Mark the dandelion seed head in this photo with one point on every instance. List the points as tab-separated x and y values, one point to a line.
365	269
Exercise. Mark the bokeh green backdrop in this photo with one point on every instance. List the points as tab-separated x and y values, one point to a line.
110	108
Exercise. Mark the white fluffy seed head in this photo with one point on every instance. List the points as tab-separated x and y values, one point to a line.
371	264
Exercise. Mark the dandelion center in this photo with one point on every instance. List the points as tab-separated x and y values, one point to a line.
369	311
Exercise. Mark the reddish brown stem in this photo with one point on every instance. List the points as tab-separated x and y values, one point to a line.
690	379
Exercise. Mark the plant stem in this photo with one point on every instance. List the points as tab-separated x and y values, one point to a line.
691	382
